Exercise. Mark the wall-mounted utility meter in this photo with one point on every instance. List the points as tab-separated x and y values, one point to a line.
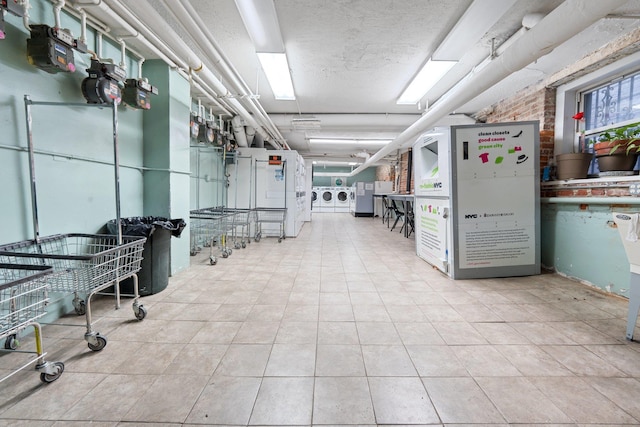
136	93
103	84
13	7
51	49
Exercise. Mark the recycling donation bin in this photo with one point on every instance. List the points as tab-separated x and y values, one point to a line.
153	276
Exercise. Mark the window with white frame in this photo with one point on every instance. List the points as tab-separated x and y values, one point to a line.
611	104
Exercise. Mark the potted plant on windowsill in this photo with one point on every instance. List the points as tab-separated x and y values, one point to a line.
574	165
617	149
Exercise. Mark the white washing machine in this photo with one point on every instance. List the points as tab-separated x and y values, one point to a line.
315	199
327	200
342	199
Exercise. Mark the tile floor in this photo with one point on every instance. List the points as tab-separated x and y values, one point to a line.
343	325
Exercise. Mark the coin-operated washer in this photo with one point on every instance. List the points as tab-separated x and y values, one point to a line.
629	228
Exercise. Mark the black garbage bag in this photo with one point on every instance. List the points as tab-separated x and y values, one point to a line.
145	225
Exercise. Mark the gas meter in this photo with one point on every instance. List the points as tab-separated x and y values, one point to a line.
51	49
136	93
103	84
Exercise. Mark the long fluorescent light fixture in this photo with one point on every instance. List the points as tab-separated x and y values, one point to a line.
276	68
425	80
261	21
349	141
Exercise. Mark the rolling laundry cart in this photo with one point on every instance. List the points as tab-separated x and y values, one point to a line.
23	297
270	216
210	228
239	225
83	264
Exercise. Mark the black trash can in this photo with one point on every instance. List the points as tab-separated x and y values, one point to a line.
153	276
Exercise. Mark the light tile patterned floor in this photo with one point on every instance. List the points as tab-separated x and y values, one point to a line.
342	325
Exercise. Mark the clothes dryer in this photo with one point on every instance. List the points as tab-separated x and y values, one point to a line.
342	199
327	200
315	199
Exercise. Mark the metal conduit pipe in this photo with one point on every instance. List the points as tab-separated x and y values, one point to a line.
564	22
227	69
157	24
197	29
174	44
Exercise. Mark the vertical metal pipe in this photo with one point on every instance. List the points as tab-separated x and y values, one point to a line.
116	169
32	169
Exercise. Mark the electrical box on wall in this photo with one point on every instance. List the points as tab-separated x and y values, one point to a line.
51	49
136	93
103	84
11	6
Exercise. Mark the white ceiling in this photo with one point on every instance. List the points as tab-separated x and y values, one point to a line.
351	59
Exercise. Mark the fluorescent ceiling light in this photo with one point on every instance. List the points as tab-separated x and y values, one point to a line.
349	141
261	21
425	80
276	68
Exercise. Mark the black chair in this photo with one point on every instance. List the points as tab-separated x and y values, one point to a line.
409	220
387	209
399	213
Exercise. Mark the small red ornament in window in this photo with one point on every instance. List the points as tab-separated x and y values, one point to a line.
579	116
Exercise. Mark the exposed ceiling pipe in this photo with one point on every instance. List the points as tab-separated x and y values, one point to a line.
564	22
156	46
238	131
158	25
187	16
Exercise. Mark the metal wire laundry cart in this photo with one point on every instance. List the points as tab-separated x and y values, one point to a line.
209	228
239	225
83	264
23	297
270	216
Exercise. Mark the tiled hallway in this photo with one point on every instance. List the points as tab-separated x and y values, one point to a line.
343	325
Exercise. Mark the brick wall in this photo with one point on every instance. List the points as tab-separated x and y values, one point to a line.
403	171
385	173
531	103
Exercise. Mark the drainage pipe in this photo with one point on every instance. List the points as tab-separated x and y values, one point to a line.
564	22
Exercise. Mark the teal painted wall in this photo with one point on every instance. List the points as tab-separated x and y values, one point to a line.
583	243
208	188
166	154
74	145
366	175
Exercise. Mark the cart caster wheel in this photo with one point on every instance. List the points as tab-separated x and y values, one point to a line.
99	345
244	245
237	245
279	239
225	254
213	260
230	251
81	308
11	343
140	312
193	253
58	368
